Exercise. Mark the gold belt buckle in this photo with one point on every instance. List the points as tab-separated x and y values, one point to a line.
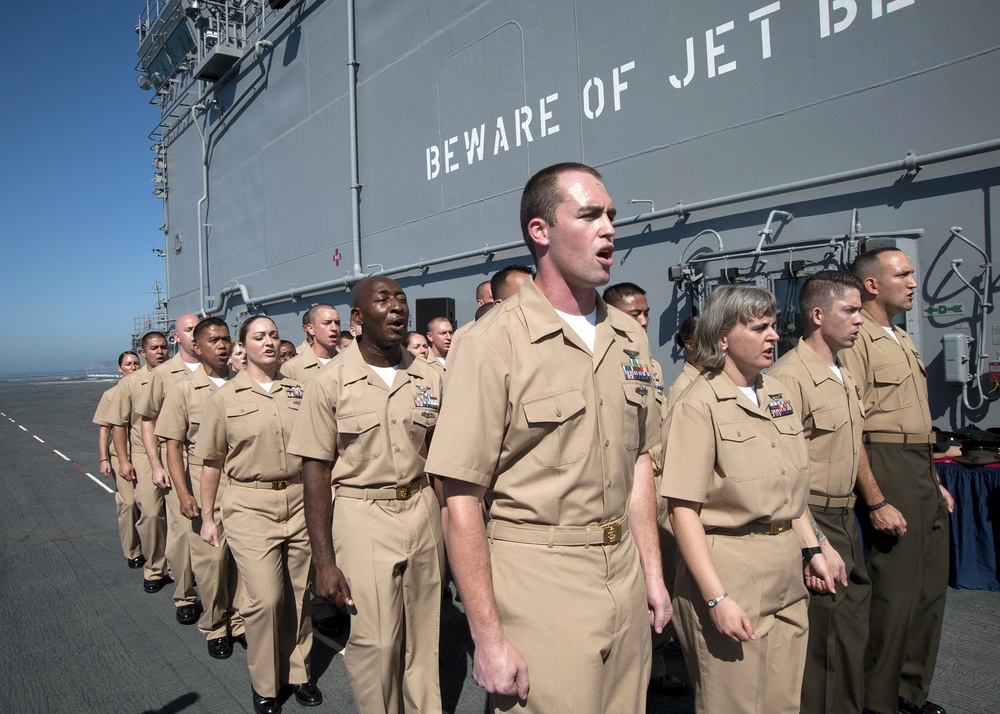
612	533
776	528
279	485
402	493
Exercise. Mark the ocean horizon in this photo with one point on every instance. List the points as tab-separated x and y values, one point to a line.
73	375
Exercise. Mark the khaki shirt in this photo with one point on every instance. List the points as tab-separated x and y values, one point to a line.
102	416
304	346
683	381
740	461
892	378
250	428
302	367
659	392
125	404
459	333
183	410
831	414
165	376
376	436
552	429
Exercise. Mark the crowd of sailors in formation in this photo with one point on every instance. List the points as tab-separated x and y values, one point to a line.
590	513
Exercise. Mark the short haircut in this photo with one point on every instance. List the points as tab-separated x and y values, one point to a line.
245	326
618	293
498	283
287	342
869	263
483	309
208	322
150	335
686	332
410	335
542	196
123	355
821	289
726	306
433	320
480	290
311	314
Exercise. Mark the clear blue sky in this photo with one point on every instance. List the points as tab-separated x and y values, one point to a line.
78	218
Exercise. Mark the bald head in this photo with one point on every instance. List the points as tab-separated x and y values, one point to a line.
184	328
378	305
484	293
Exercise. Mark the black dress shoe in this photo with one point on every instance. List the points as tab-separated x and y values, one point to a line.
156	584
668	686
220	648
136	563
905	706
241	640
265	705
308	694
187	614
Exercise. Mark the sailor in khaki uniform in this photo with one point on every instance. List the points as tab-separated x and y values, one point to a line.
178	548
243	438
828	401
324	327
127	436
370	415
554	412
690	371
128	511
736	476
906	516
178	423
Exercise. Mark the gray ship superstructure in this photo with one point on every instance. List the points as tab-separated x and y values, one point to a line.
305	144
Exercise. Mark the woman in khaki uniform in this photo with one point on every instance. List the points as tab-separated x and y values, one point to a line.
736	476
244	433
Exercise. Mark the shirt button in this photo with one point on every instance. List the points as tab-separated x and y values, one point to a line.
607	444
558	412
786	500
782	472
282	468
773	445
609	484
393	421
396	449
739	433
601	402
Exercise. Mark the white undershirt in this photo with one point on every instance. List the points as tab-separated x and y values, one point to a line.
218	381
836	371
751	393
583	325
322	360
892	334
266	386
192	365
388	374
439	359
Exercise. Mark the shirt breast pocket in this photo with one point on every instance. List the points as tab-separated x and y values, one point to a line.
243	423
823	446
556	428
738	456
894	388
359	436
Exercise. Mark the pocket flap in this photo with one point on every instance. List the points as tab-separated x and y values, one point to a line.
357	423
829	419
735	431
240	409
788	426
554	408
893	374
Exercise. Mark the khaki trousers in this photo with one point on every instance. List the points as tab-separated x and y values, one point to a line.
834	679
909	578
267	535
128	513
578	616
390	552
215	570
152	523
179	551
763	575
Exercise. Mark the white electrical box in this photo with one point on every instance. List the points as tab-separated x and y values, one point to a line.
956	358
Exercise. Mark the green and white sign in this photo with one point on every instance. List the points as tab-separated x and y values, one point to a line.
944	309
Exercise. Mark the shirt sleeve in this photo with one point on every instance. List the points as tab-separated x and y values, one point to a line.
172	423
689	455
212	439
314	435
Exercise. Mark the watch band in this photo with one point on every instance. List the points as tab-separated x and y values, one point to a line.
808	553
716	600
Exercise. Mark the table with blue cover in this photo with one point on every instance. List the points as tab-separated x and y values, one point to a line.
975	525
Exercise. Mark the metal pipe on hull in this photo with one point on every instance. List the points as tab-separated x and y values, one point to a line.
352	108
909	163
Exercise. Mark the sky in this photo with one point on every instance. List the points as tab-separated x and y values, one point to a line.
78	219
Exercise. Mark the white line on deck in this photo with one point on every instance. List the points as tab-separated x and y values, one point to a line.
65	458
95	479
21	427
38	439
